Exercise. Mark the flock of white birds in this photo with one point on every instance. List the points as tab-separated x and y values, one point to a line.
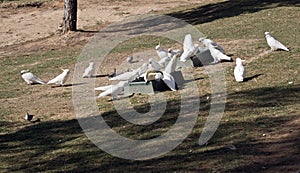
158	70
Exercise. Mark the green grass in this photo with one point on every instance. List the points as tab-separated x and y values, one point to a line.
260	114
40	63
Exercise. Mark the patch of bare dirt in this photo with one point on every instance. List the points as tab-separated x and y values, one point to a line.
31	23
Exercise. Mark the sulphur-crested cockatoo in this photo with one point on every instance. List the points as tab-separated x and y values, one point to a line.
239	70
218	55
30	78
127	76
61	78
153	65
171	67
189	49
172	52
273	43
89	71
112	90
208	42
161	52
169	81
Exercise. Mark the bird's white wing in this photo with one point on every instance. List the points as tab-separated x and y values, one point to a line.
127	76
171	67
141	70
275	44
218	55
188	48
278	45
153	65
239	73
185	55
188	42
162	53
169	81
88	71
113	91
162	61
103	88
31	78
60	79
57	79
208	42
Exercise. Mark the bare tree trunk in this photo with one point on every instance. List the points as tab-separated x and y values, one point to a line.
70	16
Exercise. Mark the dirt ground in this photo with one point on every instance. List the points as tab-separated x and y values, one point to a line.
23	24
32	27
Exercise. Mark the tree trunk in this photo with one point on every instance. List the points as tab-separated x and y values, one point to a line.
70	16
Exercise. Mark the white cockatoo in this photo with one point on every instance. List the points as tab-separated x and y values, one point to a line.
153	65
189	49
169	81
239	70
218	55
161	52
141	70
273	43
172	52
61	78
89	71
113	90
171	67
162	62
208	42
30	78
127	76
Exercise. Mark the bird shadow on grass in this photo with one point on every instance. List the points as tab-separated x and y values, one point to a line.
251	77
61	145
67	85
86	31
196	79
99	75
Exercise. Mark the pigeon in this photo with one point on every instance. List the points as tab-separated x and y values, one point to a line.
189	49
208	42
113	90
60	79
30	78
153	65
161	52
239	70
129	59
88	72
28	117
171	67
217	54
274	44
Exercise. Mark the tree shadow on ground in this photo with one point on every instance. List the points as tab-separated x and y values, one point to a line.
230	8
62	146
